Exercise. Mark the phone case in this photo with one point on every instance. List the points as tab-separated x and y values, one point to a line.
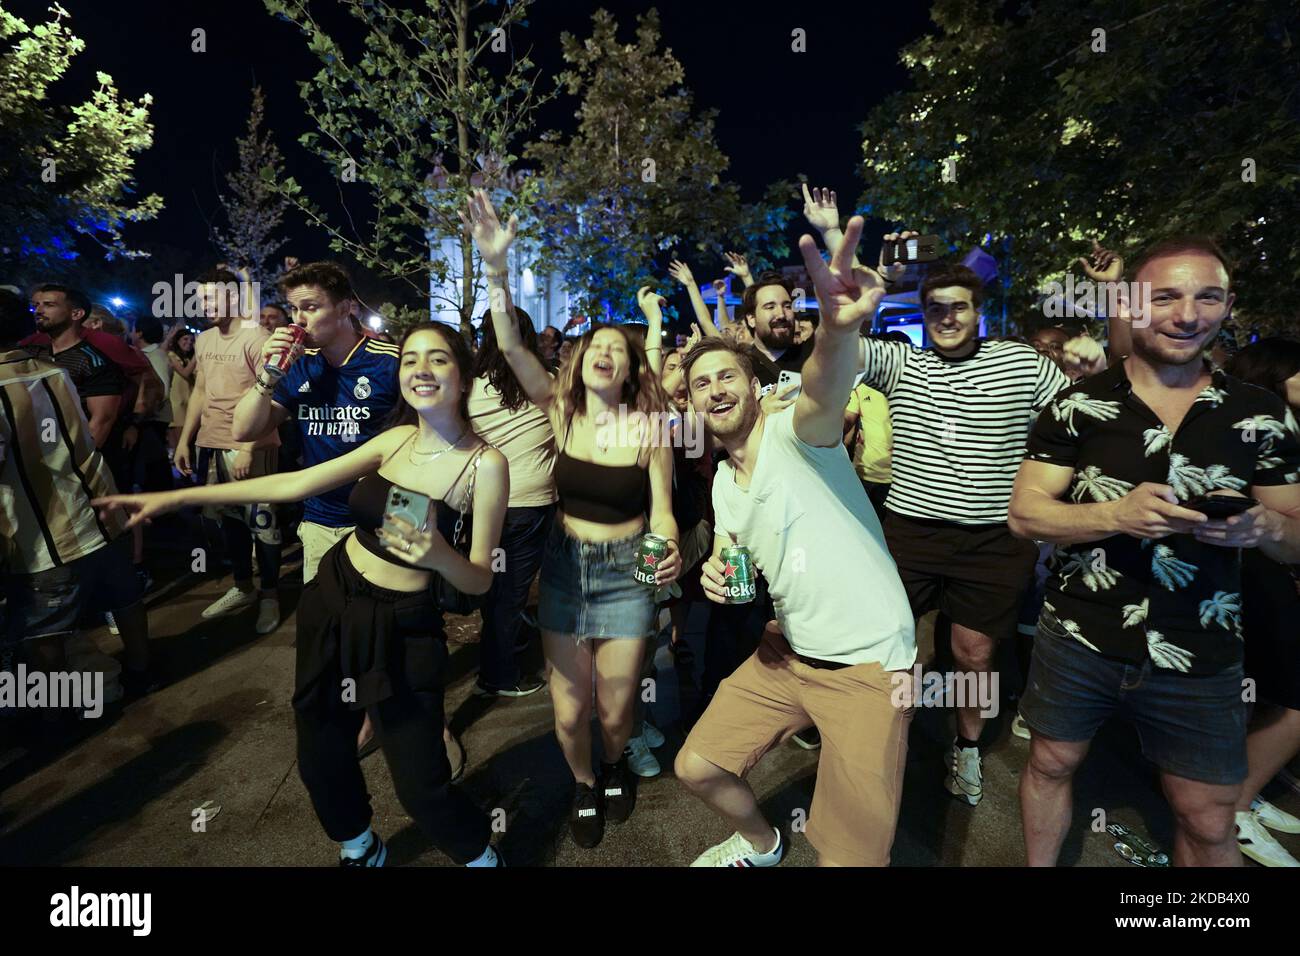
411	505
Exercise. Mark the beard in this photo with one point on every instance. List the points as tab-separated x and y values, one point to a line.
779	337
1154	352
740	421
52	328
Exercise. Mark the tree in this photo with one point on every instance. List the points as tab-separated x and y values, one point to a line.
428	108
254	209
640	180
1129	123
67	171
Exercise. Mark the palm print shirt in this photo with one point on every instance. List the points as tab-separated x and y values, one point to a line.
1175	599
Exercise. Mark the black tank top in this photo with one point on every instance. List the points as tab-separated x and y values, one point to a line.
367	502
608	494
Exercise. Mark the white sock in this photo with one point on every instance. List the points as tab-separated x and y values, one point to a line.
772	852
487	858
356	848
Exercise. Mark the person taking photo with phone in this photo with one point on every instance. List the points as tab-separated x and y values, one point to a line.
371	640
1129	472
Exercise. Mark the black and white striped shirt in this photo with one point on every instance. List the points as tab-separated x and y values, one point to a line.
960	425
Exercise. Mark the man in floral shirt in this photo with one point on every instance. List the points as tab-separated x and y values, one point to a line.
1143	609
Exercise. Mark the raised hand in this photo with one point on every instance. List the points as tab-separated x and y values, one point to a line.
847	295
821	209
483	225
739	267
1103	265
651	303
894	271
682	273
720	287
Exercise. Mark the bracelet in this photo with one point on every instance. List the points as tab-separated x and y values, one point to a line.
654	348
496	275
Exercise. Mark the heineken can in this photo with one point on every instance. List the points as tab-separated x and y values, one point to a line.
653	549
738	573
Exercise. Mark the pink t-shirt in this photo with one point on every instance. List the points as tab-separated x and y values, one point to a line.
229	366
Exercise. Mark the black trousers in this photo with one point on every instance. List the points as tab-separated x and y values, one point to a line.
401	637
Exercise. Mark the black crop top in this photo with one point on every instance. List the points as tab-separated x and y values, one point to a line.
609	494
369	499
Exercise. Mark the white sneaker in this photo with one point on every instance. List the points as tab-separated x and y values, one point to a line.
965	774
653	735
232	600
268	614
1020	728
1275	818
640	760
1258	844
737	851
111	621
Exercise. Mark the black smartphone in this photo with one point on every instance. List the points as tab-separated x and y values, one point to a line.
914	249
1218	507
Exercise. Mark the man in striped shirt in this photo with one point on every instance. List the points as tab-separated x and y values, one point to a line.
961	412
59	555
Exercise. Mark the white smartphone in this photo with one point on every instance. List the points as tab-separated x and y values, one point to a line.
785	380
411	505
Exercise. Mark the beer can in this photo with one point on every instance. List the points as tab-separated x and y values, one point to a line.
738	573
278	365
653	549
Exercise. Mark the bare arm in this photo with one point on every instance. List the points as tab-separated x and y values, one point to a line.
848	296
271	489
651	305
1036	511
662	521
1273	525
257	412
103	415
150	392
491	494
682	273
493	243
739	266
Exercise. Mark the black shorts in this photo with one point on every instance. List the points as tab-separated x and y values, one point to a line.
977	575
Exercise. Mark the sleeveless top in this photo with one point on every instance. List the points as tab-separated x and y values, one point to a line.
608	494
367	502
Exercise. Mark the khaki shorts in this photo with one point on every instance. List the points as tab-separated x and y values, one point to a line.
864	742
316	540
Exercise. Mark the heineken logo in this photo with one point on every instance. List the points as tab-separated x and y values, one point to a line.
742	590
729	570
651	560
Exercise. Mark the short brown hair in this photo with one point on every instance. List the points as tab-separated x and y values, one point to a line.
1184	243
749	301
954	275
330	276
715	343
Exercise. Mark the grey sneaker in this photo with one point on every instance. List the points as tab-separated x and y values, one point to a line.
268	615
965	774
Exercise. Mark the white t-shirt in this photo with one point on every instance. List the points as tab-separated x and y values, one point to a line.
812	532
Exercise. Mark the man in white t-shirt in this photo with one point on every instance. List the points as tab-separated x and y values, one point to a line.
838	655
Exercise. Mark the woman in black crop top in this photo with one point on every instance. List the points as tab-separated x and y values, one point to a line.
594	616
370	634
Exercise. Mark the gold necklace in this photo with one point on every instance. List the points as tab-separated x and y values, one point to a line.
432	456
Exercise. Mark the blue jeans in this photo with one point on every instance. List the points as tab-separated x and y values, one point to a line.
523	538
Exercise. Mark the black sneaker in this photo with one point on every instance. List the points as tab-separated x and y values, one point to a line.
522	688
586	818
809	739
377	855
618	789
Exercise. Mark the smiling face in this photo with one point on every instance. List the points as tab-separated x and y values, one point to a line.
324	319
186	342
951	320
1050	342
723	395
605	363
430	377
772	321
1189	301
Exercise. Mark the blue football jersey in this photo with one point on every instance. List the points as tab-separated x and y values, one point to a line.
337	410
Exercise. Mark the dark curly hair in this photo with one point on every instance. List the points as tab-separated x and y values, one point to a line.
490	362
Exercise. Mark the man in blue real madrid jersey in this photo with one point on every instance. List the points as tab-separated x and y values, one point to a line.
339	391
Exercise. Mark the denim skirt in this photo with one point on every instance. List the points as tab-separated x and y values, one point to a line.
586	588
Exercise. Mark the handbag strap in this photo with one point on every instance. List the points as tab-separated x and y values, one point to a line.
468	501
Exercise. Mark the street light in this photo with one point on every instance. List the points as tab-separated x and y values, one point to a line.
376	322
117	301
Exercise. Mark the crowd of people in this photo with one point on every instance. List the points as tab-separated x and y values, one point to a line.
1125	518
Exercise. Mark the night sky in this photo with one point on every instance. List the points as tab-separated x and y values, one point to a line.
781	113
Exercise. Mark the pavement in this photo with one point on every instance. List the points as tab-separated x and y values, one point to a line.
125	789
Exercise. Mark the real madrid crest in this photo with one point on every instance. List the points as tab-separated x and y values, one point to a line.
362	389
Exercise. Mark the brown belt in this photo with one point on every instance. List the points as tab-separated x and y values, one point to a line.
820	664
